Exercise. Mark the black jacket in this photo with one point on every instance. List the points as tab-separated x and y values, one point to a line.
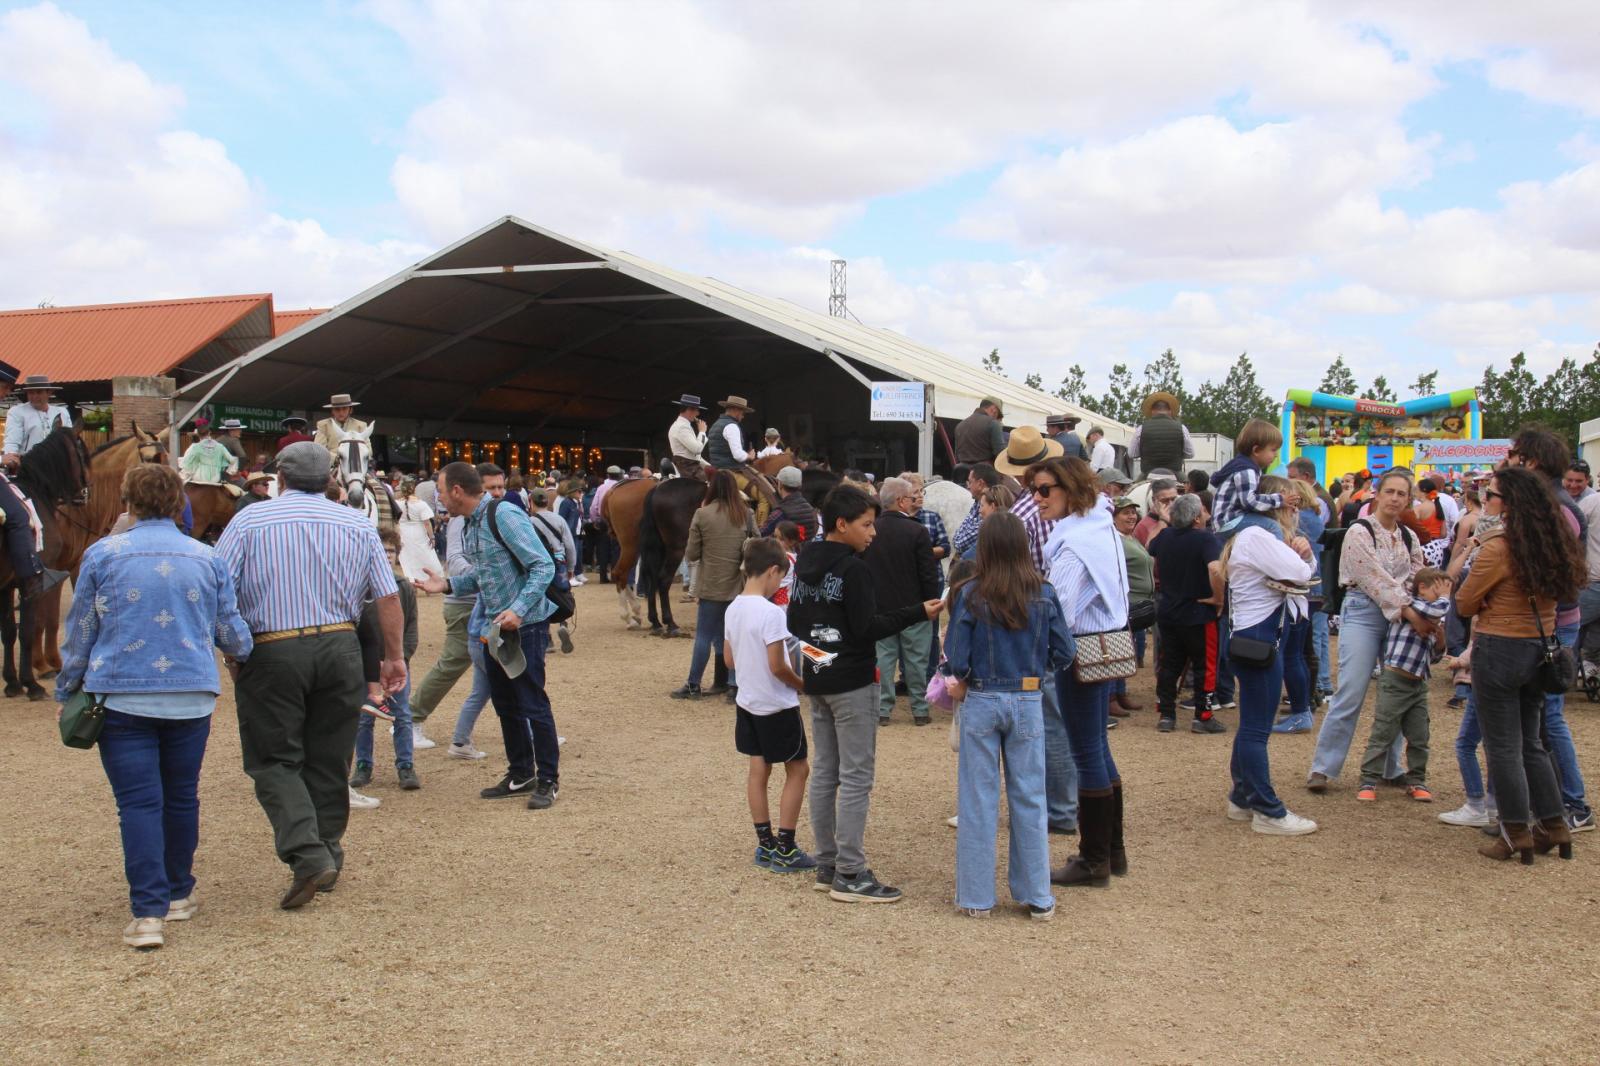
901	561
833	607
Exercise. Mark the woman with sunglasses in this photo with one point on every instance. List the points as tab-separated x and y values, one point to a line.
1090	575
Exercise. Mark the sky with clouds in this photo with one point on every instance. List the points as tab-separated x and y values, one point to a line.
1415	185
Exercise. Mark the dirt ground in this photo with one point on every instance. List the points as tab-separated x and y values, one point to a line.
628	925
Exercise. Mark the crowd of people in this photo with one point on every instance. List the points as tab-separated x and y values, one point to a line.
1054	588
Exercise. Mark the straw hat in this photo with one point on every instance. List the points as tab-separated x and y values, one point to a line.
735	401
1159	397
1026	447
340	399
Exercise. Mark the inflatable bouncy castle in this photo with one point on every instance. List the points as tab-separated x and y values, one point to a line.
1342	434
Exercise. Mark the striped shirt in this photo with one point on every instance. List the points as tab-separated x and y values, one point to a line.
303	560
1080	553
1027	509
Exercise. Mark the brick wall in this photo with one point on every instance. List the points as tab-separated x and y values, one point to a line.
145	400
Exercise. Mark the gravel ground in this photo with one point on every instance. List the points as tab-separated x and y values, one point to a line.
627	924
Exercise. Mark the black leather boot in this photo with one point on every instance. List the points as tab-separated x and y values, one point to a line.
1119	854
1092	865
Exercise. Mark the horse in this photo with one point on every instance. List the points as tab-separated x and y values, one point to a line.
354	470
622	509
663	535
815	485
55	477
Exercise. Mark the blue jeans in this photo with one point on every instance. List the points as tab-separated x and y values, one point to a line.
1559	738
1362	628
996	726
1319	641
1296	675
153	765
526	721
400	703
708	620
1258	706
1467	740
1086	707
1060	772
476	699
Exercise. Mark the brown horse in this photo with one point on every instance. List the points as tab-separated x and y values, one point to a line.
663	536
622	508
212	505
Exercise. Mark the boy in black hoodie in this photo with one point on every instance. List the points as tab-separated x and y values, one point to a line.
834	609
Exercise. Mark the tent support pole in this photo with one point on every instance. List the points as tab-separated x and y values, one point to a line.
925	432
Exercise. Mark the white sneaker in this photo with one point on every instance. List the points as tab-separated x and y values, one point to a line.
359	802
145	933
561	741
181	910
1290	825
465	751
1237	813
951	821
1469	814
580	581
419	739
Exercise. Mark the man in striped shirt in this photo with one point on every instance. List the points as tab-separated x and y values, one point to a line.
304	566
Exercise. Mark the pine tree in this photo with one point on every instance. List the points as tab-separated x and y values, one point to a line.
1380	391
1426	384
1164	375
1225	408
991	362
1121	401
1074	389
1034	381
1338	381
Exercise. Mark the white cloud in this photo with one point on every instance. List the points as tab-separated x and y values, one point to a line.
1356	299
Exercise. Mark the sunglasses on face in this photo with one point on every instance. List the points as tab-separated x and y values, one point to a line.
1044	488
1491	494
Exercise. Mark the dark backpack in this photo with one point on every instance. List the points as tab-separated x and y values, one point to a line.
558	592
1332	548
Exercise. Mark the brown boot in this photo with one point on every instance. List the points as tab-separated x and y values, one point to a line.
1551	833
1119	854
1127	703
1092	865
1514	839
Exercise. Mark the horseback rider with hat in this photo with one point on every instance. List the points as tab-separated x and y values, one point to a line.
27	425
207	461
686	440
294	432
1162	441
1063	429
340	406
725	448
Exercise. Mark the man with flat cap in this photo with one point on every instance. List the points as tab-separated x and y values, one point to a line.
1063	429
340	407
686	440
27	425
979	436
303	566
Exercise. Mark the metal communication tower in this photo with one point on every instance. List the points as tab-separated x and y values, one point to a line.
836	306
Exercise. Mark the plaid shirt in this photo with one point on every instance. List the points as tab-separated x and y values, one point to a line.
967	532
937	537
502	584
1027	509
1237	494
1407	651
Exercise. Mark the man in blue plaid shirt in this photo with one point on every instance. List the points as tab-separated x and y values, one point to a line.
1403	690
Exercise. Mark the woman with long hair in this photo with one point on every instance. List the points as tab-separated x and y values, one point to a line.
1005	632
1377	560
1090	575
716	544
415	527
1522	570
1257	564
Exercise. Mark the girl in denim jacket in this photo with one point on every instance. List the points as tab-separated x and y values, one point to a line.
1006	631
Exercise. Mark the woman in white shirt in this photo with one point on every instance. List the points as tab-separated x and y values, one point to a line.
417	556
1258	563
1089	572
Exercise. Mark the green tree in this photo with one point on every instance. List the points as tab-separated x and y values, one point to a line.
1225	408
1034	381
1338	381
1507	400
1164	375
1380	391
991	362
1074	389
1426	384
1121	401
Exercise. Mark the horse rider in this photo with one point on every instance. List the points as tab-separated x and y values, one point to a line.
686	440
1162	440
294	431
725	447
775	445
1063	429
207	461
27	424
340	406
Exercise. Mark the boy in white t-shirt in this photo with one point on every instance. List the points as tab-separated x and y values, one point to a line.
768	729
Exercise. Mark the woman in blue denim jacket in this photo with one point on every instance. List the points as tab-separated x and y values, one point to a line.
147	608
1006	631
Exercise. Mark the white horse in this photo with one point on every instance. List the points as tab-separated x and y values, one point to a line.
353	461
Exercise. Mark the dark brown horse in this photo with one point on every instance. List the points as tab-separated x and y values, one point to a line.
663	536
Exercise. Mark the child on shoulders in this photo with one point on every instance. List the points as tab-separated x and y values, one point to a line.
1255	451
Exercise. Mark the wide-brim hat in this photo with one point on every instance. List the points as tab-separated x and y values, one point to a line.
37	381
1026	447
689	399
1158	397
735	401
232	423
506	646
339	399
259	475
293	420
8	373
1061	420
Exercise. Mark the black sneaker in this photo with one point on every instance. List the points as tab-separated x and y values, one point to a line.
926	719
409	781
1167	724
1063	830
824	878
362	776
862	888
687	692
544	794
718	690
508	787
1208	724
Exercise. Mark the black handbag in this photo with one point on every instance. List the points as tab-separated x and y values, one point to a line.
1557	671
1141	615
1253	653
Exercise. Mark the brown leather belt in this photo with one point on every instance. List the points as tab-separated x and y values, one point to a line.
303	631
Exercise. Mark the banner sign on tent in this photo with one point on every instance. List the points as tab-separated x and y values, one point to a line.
255	419
1460	452
898	401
